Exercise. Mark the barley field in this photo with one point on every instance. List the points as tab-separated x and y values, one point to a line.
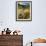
23	11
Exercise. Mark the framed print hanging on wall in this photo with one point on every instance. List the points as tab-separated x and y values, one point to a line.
23	10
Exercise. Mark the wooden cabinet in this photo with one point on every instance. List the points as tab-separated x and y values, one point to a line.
11	40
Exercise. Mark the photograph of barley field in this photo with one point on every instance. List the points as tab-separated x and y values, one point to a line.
24	10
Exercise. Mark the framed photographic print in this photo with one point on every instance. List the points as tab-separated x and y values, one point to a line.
23	10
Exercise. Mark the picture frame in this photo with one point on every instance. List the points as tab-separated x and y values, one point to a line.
38	44
23	10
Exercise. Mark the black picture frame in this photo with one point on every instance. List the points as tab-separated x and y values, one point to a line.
25	10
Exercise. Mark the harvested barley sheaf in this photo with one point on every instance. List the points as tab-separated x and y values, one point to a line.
39	40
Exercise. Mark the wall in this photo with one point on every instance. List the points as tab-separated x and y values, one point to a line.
30	29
